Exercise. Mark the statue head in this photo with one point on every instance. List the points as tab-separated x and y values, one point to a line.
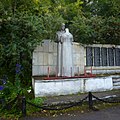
67	30
63	27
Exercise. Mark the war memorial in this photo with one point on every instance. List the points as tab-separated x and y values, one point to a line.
63	66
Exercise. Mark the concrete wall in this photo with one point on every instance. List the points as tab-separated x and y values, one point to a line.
79	53
71	86
45	55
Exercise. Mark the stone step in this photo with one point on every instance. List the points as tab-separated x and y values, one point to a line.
116	87
114	79
116	82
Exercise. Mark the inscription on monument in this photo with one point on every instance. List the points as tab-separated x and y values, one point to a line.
96	56
104	56
117	56
111	56
89	56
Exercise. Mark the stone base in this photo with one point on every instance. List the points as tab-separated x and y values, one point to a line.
71	86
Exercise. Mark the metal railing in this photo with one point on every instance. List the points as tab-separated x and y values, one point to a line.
90	98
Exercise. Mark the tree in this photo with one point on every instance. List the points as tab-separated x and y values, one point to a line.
21	31
103	8
99	23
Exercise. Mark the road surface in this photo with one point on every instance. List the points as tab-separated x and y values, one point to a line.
112	113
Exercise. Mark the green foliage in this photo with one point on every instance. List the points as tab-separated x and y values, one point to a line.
99	23
96	29
23	24
37	101
104	8
12	94
18	37
111	30
69	10
54	22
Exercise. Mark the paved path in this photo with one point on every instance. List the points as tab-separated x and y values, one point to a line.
112	113
77	97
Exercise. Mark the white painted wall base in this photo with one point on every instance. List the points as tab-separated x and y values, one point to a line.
71	86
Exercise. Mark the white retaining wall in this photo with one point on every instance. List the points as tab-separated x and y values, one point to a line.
71	86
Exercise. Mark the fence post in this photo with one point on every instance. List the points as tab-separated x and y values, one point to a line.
78	72
85	71
91	70
48	72
56	71
23	106
71	71
63	74
90	101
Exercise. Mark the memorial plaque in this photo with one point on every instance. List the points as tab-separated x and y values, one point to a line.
89	56
111	56
104	56
96	56
117	56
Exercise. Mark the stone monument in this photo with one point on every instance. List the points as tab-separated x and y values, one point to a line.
64	52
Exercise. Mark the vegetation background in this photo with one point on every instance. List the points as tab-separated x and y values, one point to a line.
25	23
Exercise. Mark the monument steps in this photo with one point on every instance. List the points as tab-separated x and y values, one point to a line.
116	82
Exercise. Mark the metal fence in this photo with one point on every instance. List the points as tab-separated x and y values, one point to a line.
90	98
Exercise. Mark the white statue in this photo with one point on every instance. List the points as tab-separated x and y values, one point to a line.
65	53
59	49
